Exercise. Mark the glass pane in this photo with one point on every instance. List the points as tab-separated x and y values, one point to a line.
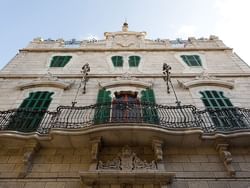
216	95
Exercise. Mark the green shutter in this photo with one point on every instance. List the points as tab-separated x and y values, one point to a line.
192	60
60	61
117	61
220	110
31	112
215	99
134	61
102	113
149	110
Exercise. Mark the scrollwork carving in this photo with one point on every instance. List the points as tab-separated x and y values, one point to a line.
126	160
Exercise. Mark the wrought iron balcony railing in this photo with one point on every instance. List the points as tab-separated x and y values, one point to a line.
167	117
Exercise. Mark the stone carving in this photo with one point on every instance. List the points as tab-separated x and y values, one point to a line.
205	79
126	76
226	157
48	77
157	147
127	161
96	145
205	76
30	150
46	80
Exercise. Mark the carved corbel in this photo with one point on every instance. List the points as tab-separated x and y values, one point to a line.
157	148
95	148
29	151
226	157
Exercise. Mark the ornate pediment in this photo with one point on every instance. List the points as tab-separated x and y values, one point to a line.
126	161
126	80
125	38
204	79
47	80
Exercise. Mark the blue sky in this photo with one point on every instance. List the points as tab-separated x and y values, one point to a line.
23	20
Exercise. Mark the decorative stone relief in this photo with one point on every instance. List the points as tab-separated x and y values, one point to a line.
126	76
29	151
226	157
95	148
205	79
126	161
126	80
157	147
48	80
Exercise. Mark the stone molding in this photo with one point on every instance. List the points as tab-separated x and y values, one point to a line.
126	80
91	178
204	79
47	80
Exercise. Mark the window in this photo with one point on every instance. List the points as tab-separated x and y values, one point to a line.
221	112
31	112
60	61
126	107
117	61
102	113
149	110
134	61
215	99
192	60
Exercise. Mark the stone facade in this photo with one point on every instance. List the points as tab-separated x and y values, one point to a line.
125	154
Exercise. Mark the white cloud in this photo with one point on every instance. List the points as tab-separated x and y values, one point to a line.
186	31
233	25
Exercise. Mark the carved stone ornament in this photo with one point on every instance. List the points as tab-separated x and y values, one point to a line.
47	80
204	79
126	76
126	80
226	157
126	161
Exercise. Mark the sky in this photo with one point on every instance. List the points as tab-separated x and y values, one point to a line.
23	20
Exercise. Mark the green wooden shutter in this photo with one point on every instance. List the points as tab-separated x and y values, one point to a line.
221	112
60	61
215	99
149	110
134	61
117	61
31	112
102	113
192	60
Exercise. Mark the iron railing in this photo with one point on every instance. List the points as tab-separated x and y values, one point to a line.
158	115
25	120
168	117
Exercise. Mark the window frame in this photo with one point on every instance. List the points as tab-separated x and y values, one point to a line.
117	61
192	60
134	60
59	61
213	99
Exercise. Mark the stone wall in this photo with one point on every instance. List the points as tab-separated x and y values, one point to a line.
194	167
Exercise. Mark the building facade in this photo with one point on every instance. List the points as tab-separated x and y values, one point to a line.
125	112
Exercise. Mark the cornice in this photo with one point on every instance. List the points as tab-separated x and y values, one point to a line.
173	75
120	49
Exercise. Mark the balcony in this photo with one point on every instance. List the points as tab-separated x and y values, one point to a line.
173	118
